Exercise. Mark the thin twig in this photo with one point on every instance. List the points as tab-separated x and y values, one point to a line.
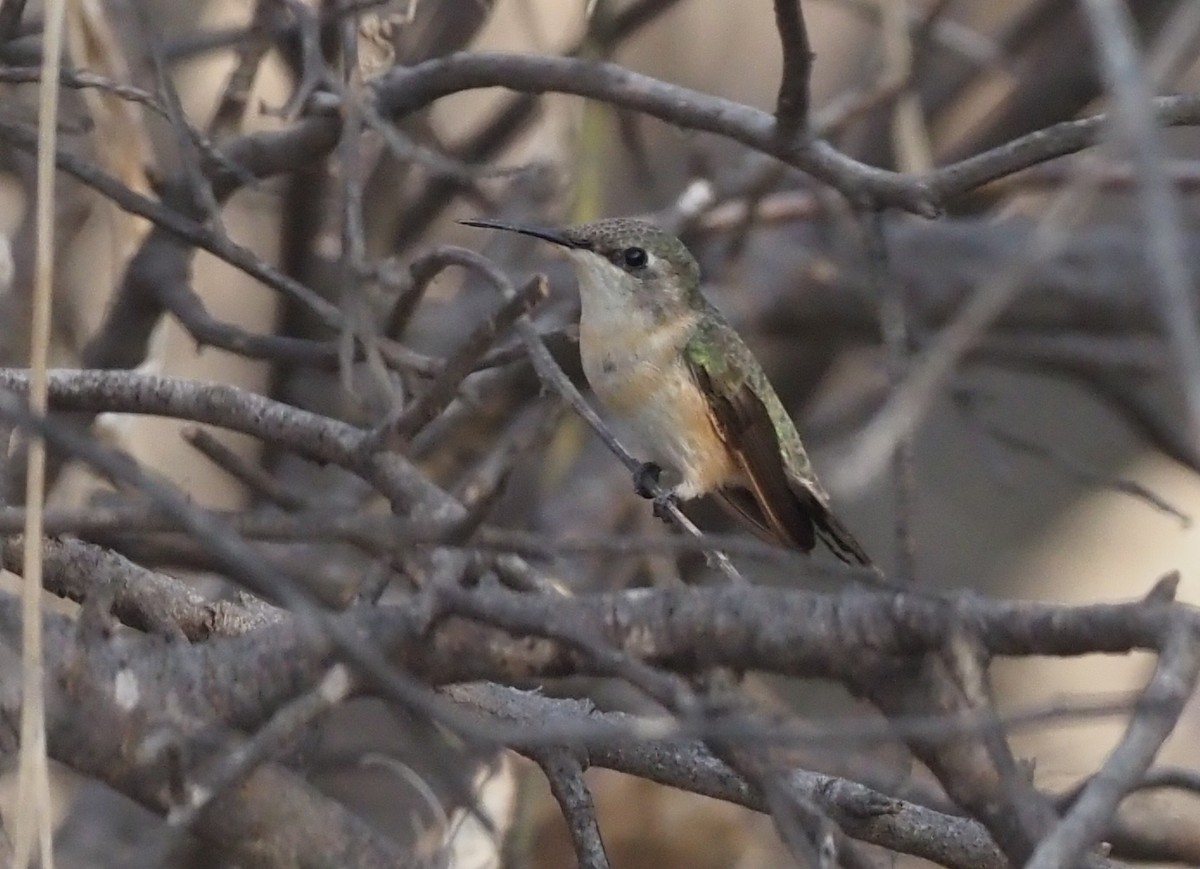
893	318
791	105
249	53
85	79
185	137
310	134
252	476
564	772
313	71
482	487
442	389
236	763
1069	463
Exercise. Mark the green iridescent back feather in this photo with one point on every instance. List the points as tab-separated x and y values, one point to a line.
719	349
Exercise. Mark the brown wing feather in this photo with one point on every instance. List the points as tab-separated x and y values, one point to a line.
743	504
837	536
775	504
745	426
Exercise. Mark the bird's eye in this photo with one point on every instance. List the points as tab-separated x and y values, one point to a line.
634	257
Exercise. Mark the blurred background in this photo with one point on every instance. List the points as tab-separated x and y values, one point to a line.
1054	465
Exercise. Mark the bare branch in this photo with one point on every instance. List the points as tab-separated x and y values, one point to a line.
10	18
931	370
863	813
404	90
457	526
141	598
442	389
565	774
263	154
1133	119
233	767
1162	703
252	476
240	560
791	106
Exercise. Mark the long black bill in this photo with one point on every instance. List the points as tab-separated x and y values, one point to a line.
554	236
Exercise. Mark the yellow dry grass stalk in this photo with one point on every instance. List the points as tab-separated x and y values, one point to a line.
33	822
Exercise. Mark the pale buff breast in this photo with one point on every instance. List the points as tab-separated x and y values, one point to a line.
636	369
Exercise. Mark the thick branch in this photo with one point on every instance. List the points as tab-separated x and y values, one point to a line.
863	813
239	681
105	721
404	90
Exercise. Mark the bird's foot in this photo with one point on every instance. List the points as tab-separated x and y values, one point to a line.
646	482
645	479
663	505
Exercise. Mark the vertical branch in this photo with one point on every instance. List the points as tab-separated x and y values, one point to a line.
893	319
791	106
565	774
203	197
1134	122
359	326
910	137
353	241
10	18
236	95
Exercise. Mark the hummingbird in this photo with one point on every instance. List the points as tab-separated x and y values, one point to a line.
665	362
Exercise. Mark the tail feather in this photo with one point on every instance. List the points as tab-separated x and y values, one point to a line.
799	528
837	537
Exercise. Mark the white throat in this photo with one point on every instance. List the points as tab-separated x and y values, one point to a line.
606	297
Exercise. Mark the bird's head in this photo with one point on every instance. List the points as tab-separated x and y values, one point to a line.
622	260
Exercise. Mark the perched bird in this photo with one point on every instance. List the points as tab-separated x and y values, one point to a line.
664	361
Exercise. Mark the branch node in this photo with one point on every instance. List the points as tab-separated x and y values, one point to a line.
1165	589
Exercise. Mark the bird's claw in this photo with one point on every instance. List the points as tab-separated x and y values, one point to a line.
663	506
646	483
645	480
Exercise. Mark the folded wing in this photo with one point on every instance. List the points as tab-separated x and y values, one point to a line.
776	501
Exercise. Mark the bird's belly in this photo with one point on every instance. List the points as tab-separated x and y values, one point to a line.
664	409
